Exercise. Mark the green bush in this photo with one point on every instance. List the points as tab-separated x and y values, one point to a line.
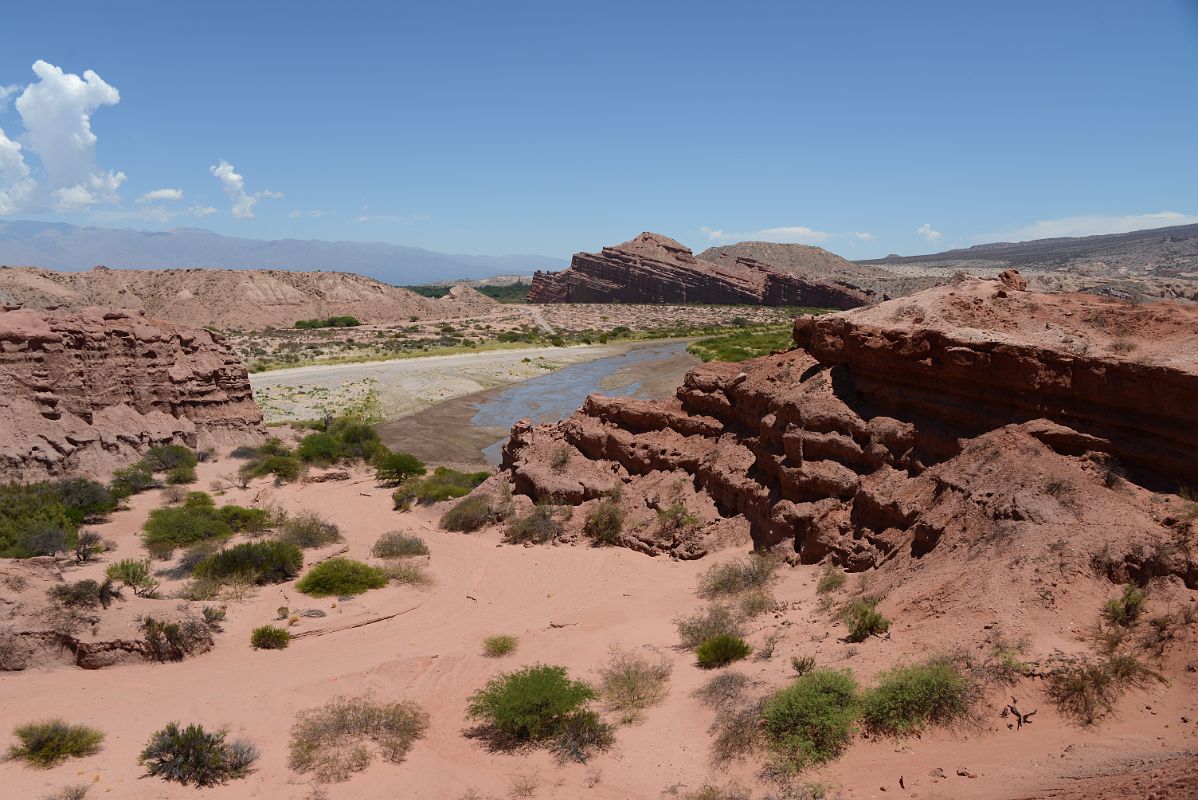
813	720
268	637
703	625
443	484
499	645
721	650
245	520
1087	690
257	562
165	458
171	641
529	705
194	521
329	322
604	522
132	480
831	579
84	500
330	741
538	526
398	467
85	593
864	620
180	475
47	744
319	448
738	575
308	530
193	755
1125	609
341	576
35	521
133	574
284	468
675	522
399	545
358	439
908	699
469	515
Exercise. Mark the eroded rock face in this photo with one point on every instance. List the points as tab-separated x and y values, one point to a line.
656	269
84	393
963	413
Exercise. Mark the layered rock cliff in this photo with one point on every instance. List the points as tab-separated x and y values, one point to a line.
953	414
656	269
84	393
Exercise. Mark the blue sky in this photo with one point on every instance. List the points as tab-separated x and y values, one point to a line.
521	127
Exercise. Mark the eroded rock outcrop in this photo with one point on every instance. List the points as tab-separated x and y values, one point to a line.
656	269
958	414
84	393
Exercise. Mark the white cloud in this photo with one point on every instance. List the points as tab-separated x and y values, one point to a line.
198	210
1090	226
313	213
16	185
161	194
234	186
928	233
7	92
794	234
56	112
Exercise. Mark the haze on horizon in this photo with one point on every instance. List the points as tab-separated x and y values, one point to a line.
866	128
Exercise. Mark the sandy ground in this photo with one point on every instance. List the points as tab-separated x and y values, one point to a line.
568	605
404	386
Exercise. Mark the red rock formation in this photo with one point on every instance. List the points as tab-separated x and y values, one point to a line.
83	393
656	269
956	413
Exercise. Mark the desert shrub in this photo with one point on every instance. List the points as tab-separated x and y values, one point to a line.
907	699
329	322
284	468
500	644
631	681
341	576
268	637
736	731
257	562
87	544
331	741
676	522
723	689
358	439
721	650
84	499
308	530
703	625
133	574
756	602
318	448
1088	690
398	467
831	579
538	526
1125	609
396	544
579	734
164	458
604	522
243	452
443	484
182	474
245	520
812	721
469	515
197	520
530	704
408	573
193	755
76	791
171	641
47	744
85	593
213	616
131	480
738	575
35	521
802	664
864	620
711	791
273	447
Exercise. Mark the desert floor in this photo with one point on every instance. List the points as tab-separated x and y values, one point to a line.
568	605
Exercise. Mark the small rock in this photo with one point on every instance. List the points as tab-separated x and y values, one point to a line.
964	773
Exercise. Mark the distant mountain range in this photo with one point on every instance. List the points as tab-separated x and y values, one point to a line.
69	247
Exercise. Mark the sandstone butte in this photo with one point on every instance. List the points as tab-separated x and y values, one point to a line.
906	435
238	299
656	269
83	393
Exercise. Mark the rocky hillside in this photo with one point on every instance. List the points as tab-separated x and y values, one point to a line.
82	393
656	269
231	299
